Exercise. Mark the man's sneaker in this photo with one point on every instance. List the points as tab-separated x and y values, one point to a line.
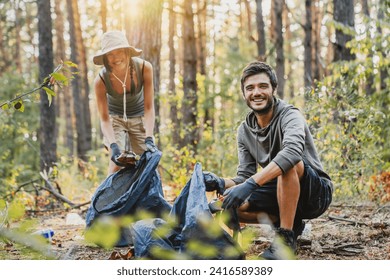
298	229
283	247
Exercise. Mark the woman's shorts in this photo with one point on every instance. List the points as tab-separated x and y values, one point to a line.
132	130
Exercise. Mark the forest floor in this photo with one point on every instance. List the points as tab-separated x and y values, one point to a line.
344	232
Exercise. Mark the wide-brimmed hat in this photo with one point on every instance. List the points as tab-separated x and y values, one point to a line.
114	40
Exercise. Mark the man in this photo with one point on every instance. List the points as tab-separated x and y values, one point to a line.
291	184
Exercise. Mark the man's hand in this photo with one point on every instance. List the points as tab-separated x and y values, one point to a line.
235	196
213	182
150	146
115	153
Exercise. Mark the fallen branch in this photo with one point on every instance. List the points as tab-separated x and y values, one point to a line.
51	190
346	220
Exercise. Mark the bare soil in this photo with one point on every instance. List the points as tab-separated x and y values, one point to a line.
344	232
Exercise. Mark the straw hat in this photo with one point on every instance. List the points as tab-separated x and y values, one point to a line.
114	40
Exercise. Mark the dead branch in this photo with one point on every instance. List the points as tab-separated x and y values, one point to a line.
346	220
51	190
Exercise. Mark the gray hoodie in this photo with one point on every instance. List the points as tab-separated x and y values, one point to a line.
285	141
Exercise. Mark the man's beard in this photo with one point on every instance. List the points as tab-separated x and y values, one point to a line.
268	107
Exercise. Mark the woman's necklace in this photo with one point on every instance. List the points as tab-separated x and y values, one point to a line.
124	91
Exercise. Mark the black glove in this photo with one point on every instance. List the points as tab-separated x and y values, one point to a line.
150	146
213	182
235	196
115	153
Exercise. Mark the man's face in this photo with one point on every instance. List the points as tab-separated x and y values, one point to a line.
258	93
117	59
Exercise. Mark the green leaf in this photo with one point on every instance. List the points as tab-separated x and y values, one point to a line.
50	98
49	91
5	106
59	77
70	64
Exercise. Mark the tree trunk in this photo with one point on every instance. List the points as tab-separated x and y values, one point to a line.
149	42
261	40
77	87
190	100
343	13
103	13
201	42
308	81
316	41
65	110
370	84
278	33
384	72
48	145
289	38
86	140
18	40
172	86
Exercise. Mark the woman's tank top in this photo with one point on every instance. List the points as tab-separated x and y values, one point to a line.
134	101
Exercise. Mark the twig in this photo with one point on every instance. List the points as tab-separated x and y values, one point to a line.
51	190
346	220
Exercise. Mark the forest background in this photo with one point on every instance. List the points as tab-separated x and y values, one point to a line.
331	59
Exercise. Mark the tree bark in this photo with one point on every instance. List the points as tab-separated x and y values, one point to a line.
190	87
48	145
173	113
77	86
316	41
278	33
65	110
103	13
261	40
343	12
144	32
308	81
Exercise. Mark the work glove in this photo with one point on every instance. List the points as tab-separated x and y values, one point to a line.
213	182
115	153
235	196
150	146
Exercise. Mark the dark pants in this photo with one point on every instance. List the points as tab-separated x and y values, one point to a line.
315	196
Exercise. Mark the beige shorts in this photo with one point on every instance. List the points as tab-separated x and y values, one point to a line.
134	128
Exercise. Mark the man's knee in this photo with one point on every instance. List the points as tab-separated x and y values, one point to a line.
298	170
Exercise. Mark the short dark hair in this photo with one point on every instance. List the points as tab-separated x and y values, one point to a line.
257	67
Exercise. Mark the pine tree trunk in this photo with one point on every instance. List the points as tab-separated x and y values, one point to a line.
343	13
261	40
278	33
173	113
190	87
77	87
48	145
308	81
144	32
65	98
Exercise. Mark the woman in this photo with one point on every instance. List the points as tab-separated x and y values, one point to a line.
125	99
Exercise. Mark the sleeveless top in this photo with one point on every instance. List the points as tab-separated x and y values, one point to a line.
134	100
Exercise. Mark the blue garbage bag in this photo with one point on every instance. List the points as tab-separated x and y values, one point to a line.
129	190
191	232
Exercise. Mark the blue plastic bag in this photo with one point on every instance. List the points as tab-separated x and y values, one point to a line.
194	220
129	190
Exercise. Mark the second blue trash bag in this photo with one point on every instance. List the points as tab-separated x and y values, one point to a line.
194	220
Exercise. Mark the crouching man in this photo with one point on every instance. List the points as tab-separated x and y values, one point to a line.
291	184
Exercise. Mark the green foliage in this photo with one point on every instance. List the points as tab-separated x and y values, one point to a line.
349	125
